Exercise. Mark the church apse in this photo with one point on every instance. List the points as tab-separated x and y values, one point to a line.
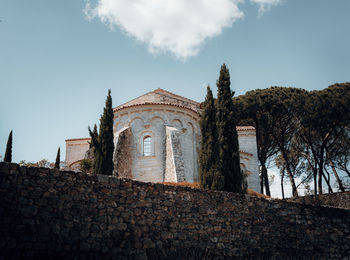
167	134
157	139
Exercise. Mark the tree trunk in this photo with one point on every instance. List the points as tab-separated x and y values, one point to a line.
290	175
266	179
341	187
261	181
282	187
330	190
328	177
320	174
315	181
314	172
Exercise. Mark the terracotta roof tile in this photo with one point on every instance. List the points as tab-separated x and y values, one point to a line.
243	128
78	139
161	96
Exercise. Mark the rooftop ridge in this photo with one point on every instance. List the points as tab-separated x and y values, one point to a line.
245	127
160	92
79	139
132	100
171	93
155	103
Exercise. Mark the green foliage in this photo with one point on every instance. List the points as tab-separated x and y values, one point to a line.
253	109
27	164
307	133
8	152
103	143
57	163
86	165
326	128
210	178
229	161
94	136
42	163
218	180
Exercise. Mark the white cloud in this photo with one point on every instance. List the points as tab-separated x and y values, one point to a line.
265	5
176	26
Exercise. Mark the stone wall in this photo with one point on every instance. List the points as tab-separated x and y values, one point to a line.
56	214
123	154
339	200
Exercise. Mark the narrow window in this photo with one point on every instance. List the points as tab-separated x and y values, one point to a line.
147	146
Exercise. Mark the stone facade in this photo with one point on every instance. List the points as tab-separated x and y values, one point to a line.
75	151
168	125
51	214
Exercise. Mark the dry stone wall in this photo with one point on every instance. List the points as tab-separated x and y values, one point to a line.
339	200
56	214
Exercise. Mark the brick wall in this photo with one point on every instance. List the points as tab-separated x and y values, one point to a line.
51	213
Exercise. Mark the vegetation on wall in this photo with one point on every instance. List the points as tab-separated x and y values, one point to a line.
42	163
86	165
305	134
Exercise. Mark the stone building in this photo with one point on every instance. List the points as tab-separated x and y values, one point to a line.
157	138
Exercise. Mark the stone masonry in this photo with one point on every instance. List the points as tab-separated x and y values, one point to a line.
46	213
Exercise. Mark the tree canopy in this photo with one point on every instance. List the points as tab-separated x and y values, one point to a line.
305	133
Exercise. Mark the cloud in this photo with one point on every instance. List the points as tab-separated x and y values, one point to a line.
265	5
179	27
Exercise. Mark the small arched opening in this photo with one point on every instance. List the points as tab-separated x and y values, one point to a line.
147	146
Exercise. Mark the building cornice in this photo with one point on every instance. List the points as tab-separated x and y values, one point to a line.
78	139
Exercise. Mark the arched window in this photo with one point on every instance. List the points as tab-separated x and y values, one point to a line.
147	146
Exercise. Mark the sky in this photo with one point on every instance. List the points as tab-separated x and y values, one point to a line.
59	58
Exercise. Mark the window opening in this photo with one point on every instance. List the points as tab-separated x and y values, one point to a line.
147	146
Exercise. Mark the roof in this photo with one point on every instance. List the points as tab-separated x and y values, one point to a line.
162	97
245	128
78	139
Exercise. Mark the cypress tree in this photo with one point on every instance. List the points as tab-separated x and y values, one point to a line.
93	147
229	163
94	137
8	153
58	158
210	178
104	152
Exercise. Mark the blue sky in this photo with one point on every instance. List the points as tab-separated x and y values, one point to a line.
59	58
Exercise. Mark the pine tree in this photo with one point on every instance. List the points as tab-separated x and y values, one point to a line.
104	153
8	153
58	158
229	163
210	178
